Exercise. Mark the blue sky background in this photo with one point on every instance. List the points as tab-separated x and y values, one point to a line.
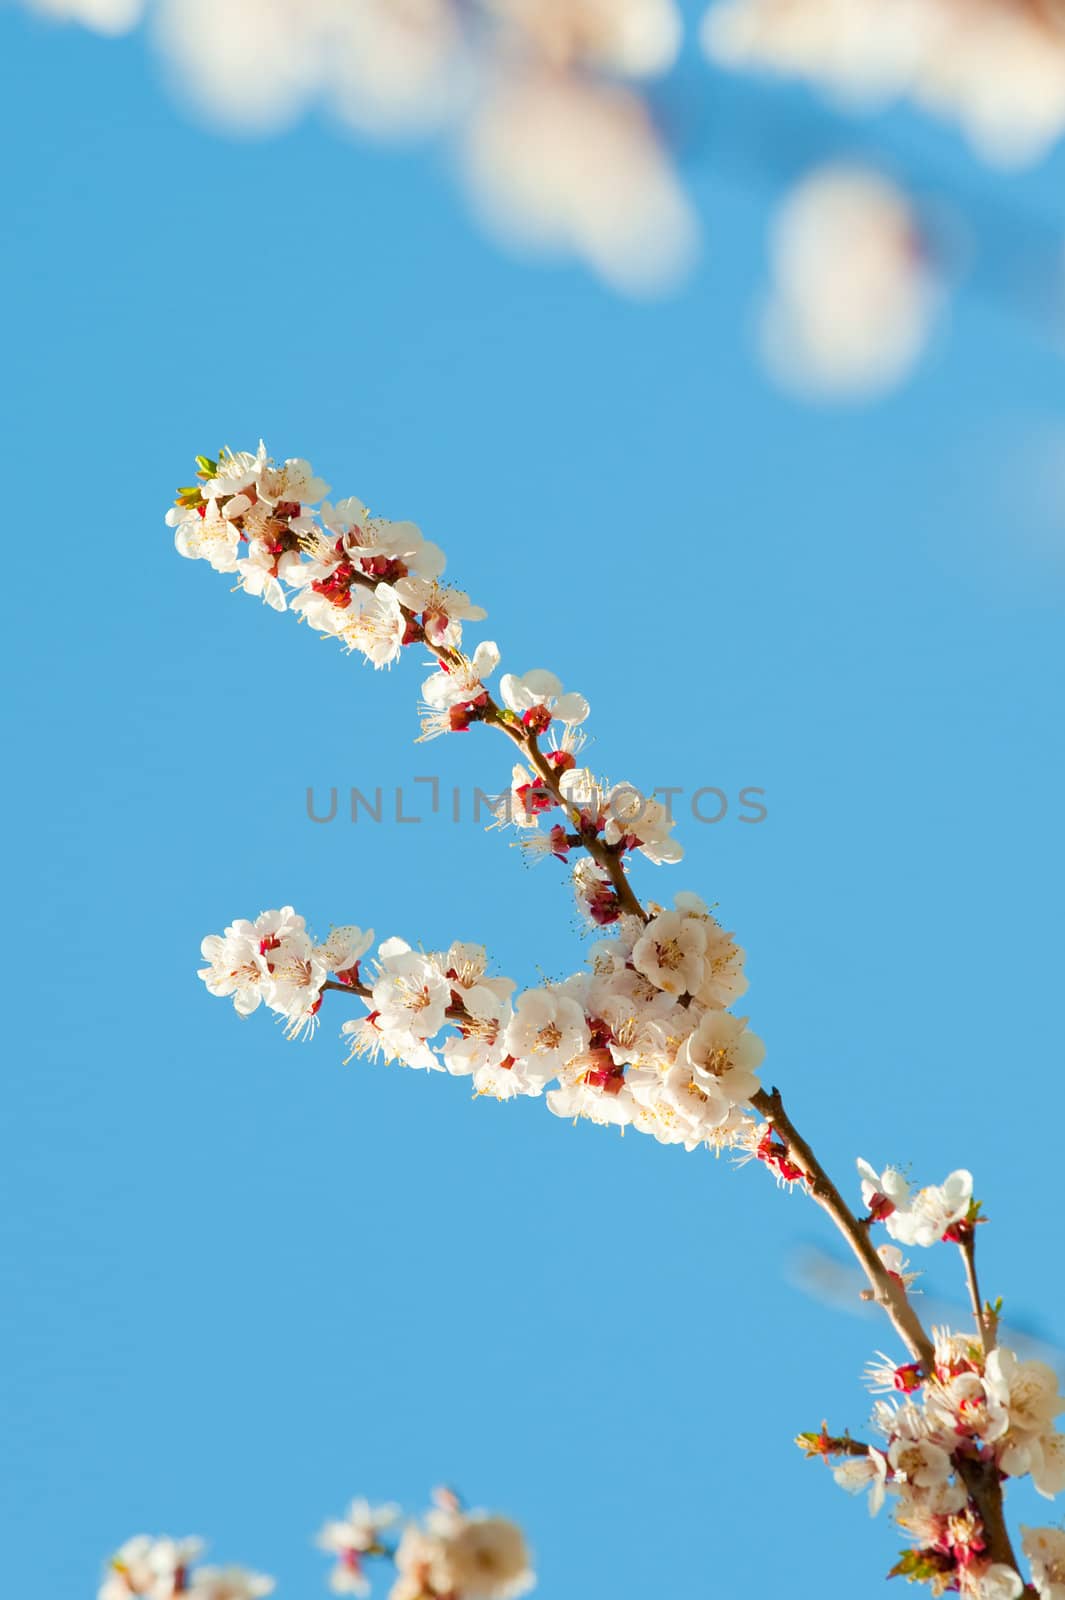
244	1282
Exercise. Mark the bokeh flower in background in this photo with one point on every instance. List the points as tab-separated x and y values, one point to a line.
996	67
573	128
853	287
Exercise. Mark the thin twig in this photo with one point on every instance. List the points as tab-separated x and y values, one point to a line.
967	1246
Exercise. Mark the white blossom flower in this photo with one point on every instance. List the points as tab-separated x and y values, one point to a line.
235	966
547	1030
1048	1476
486	1558
646	1026
724	981
920	1463
559	162
858	1473
464	965
344	949
463	682
922	1218
443	610
420	1565
698	1099
995	1581
964	1407
723	1056
1028	1388
688	945
853	291
454	695
929	1213
671	952
593	886
411	994
206	533
380	540
479	1047
499	1077
1045	1550
155	1568
350	1538
640	822
378	628
601	1095
537	696
258	572
896	1264
883	1192
350	519
295	972
526	800
903	1421
293	483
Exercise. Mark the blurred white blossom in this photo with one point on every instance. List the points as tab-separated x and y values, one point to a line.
995	66
561	155
564	164
387	65
853	292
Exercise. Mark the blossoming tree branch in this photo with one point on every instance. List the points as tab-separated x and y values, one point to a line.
645	1037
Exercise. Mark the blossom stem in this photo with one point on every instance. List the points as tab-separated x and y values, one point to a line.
493	716
981	1479
887	1292
600	852
967	1247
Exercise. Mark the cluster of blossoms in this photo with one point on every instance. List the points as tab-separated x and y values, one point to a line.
450	1553
643	1037
163	1568
976	1414
359	578
375	585
273	961
968	1416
